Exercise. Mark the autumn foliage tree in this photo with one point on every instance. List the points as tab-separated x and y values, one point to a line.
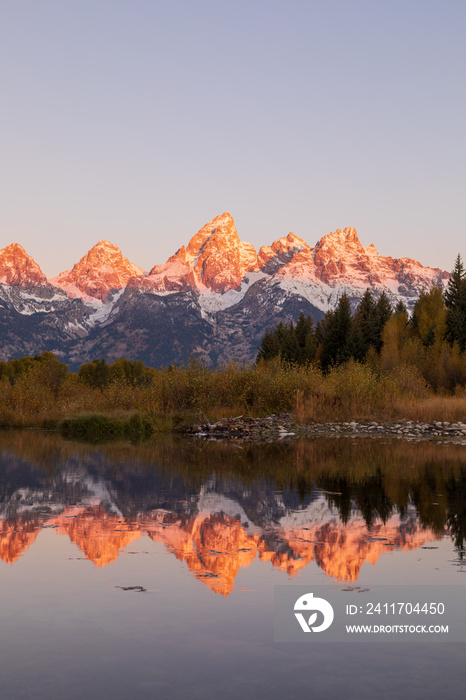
432	342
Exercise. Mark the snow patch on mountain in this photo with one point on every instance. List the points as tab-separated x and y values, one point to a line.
27	303
318	511
210	503
74	292
211	302
321	296
104	309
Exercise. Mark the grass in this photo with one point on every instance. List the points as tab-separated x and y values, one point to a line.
433	408
98	428
182	396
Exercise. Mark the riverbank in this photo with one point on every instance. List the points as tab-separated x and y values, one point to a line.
183	399
284	426
137	427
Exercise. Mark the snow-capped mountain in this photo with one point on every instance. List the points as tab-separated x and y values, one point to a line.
214	298
98	272
221	268
18	269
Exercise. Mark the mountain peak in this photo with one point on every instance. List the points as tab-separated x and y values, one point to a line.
102	269
105	246
223	219
18	269
271	258
371	249
104	250
217	256
222	226
347	237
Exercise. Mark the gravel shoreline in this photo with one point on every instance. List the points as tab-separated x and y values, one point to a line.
284	426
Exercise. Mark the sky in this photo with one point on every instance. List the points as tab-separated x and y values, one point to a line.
138	122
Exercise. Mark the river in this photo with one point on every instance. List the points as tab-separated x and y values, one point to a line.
143	571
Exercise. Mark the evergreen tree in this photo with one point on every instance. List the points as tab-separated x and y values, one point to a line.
322	327
290	344
455	301
383	312
400	308
269	347
365	327
453	289
305	339
336	344
293	344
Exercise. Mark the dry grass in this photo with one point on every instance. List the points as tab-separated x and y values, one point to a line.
434	408
195	394
428	410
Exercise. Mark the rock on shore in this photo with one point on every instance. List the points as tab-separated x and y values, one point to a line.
284	426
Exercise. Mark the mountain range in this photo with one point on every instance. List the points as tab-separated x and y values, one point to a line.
215	529
213	299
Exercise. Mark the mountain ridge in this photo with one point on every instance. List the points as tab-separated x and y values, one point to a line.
100	271
214	298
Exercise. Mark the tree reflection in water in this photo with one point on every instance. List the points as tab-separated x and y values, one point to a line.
217	508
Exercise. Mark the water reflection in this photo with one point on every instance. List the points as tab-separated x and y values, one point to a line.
218	508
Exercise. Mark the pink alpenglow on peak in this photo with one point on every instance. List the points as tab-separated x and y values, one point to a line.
102	269
18	269
214	298
176	275
287	244
339	258
215	259
218	257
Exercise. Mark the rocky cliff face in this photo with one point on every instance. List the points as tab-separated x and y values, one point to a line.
101	270
218	257
213	299
340	260
18	269
214	259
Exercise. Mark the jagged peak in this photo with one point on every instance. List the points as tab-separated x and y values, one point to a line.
15	251
293	238
346	237
271	258
224	219
105	250
19	269
217	255
106	247
371	249
106	244
223	222
220	226
101	269
14	248
288	243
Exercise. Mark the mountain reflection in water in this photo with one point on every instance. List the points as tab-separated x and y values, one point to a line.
218	508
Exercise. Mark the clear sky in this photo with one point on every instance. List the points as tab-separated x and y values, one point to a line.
139	121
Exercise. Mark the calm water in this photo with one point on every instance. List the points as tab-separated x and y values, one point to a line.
144	572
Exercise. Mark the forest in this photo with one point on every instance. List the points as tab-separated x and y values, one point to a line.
376	363
432	342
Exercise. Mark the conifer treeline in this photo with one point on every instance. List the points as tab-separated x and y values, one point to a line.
433	340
